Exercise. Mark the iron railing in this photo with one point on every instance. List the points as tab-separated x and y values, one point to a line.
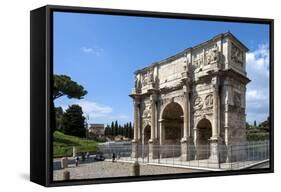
229	158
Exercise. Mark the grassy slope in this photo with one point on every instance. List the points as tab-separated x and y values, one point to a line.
63	144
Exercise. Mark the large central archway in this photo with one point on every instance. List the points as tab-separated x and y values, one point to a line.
204	133
172	129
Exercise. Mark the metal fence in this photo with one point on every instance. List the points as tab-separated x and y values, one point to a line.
230	158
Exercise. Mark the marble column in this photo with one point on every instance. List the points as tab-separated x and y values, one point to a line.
161	137
228	146
215	127
215	140
226	124
135	140
152	141
153	117
195	134
186	141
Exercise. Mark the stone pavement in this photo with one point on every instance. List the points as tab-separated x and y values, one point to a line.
102	169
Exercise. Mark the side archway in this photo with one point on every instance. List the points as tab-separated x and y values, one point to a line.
204	133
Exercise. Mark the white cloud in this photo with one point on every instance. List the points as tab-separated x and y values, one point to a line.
93	50
257	96
98	113
93	109
258	61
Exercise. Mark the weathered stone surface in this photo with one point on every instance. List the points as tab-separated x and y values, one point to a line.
195	98
106	169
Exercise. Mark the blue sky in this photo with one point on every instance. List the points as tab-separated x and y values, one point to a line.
101	52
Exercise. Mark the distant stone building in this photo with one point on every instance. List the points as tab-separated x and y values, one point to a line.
191	99
96	131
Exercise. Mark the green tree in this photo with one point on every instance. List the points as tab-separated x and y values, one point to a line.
115	128
112	129
73	121
58	116
125	130
130	130
120	130
106	130
265	125
64	85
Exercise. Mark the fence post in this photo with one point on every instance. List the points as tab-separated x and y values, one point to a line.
136	168
66	175
230	160
173	153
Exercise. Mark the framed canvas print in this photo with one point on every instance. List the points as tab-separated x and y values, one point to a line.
119	95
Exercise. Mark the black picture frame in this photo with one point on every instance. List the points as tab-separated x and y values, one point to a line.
41	58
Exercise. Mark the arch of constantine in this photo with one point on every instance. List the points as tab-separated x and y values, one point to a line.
192	99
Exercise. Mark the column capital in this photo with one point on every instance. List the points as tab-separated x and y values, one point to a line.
153	97
216	139
215	81
186	139
137	100
152	141
161	120
186	88
137	140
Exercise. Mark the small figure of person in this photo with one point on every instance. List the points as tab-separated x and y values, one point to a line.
77	161
113	157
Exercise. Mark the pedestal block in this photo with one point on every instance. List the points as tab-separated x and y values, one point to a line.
187	149
153	149
215	152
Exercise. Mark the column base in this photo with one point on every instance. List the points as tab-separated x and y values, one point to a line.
215	152
187	149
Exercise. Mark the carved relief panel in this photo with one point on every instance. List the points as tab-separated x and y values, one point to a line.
237	99
198	104
236	54
198	61
147	78
212	55
203	107
209	101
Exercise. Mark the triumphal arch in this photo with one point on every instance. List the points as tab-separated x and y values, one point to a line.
192	99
